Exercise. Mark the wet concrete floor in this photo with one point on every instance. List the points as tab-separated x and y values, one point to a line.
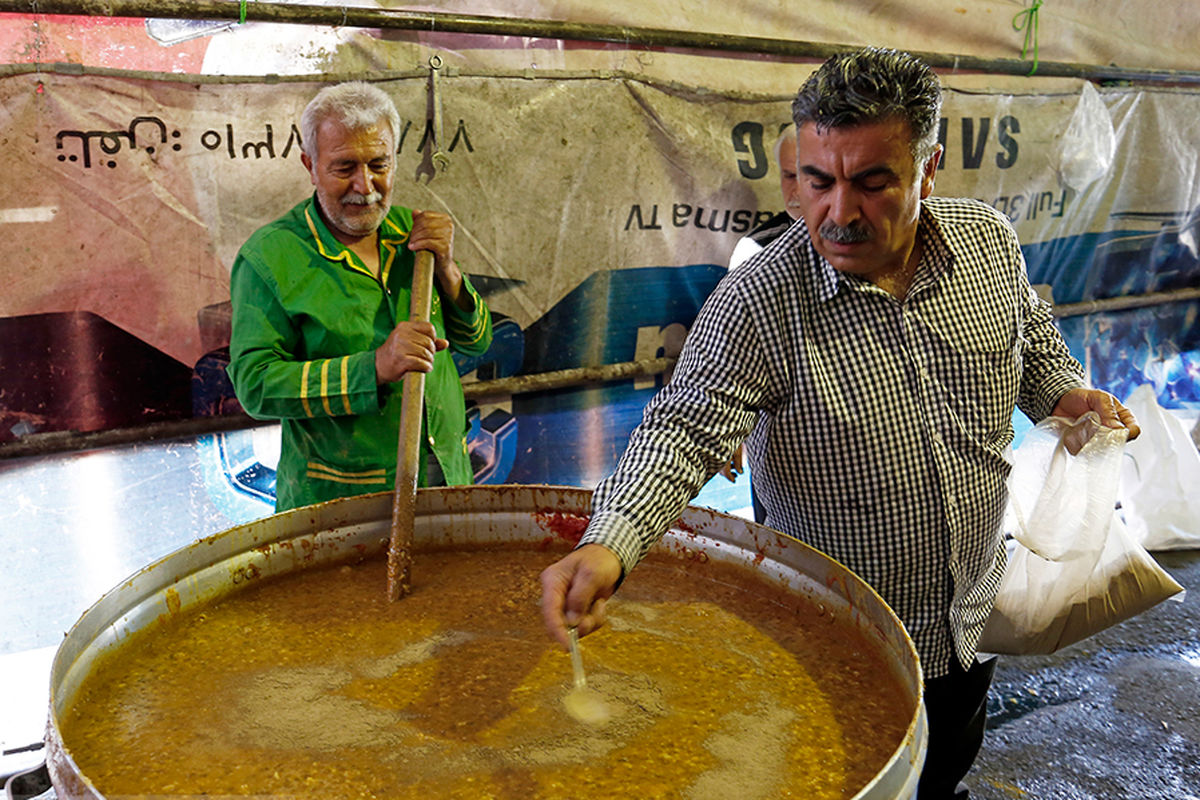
1114	717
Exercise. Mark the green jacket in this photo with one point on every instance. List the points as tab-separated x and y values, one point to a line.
307	318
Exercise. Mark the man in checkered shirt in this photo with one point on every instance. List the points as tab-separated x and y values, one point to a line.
881	348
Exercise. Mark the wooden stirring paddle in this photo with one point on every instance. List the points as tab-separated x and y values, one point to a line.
412	402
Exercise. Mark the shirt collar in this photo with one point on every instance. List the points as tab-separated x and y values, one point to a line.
936	256
825	279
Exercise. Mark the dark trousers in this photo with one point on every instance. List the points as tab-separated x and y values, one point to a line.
760	513
956	706
433	471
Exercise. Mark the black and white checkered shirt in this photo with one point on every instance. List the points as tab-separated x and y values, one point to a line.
883	422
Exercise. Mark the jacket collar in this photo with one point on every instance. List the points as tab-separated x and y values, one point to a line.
390	235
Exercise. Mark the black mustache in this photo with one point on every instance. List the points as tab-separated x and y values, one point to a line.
849	234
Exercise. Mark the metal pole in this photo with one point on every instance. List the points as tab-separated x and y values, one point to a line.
566	378
40	444
1125	303
69	441
349	16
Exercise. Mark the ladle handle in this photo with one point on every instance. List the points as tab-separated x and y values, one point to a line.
400	545
576	659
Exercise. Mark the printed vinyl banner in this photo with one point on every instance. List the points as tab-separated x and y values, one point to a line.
595	213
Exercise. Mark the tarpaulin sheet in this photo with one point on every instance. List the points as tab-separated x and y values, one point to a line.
597	190
148	188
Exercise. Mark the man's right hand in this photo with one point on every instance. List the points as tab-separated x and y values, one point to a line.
410	347
575	589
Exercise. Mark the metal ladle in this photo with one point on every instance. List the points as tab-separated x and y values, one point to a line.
582	703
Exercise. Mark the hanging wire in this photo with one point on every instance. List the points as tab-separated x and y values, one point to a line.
1027	20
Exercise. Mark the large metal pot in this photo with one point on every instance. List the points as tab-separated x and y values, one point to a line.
332	531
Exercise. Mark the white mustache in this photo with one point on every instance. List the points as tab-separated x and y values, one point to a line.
356	199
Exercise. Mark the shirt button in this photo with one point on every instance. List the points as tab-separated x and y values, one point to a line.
431	441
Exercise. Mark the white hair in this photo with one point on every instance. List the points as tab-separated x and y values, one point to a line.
357	105
787	131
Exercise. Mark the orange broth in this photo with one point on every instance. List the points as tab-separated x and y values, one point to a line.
314	685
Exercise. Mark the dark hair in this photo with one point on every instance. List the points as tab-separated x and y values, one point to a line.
872	85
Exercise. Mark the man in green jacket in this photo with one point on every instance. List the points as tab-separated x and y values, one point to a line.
321	336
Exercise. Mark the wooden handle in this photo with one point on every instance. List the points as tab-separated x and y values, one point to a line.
399	567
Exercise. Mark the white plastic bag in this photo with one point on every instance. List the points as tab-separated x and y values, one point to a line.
1160	478
1089	144
1075	570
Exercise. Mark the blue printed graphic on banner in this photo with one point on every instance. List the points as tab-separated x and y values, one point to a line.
575	436
1158	344
1095	266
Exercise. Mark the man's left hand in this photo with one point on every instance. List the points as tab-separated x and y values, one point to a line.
1077	402
435	232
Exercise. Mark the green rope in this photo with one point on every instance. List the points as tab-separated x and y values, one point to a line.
242	13
1027	20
